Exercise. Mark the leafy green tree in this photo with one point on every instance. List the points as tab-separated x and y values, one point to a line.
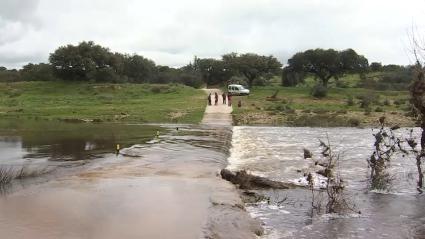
166	75
80	62
291	78
212	71
251	65
375	66
139	69
327	64
9	75
90	62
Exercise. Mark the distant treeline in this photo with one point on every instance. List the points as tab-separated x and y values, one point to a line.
93	63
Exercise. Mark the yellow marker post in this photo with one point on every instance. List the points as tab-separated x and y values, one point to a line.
118	149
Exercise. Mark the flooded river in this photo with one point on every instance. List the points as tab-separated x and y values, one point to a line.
277	153
163	186
167	186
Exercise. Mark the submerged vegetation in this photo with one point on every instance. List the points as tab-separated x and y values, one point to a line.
10	173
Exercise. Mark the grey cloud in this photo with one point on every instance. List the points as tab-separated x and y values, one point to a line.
172	32
18	10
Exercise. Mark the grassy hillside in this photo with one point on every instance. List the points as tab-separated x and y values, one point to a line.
102	102
342	107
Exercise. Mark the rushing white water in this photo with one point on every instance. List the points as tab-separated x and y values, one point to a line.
277	153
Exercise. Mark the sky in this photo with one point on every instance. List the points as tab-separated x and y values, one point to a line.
172	32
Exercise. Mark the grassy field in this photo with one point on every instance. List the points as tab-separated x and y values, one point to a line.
342	107
101	102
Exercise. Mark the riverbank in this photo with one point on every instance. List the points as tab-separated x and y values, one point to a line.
85	102
148	103
343	107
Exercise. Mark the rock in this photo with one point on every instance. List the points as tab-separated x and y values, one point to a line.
307	154
252	197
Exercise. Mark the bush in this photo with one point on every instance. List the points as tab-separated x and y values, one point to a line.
387	102
368	99
399	102
319	91
350	101
354	122
191	80
367	111
156	89
341	84
379	109
320	111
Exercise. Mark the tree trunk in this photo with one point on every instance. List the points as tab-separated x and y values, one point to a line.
250	82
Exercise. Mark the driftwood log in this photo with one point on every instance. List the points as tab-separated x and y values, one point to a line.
250	182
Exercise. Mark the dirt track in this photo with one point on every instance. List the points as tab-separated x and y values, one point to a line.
220	114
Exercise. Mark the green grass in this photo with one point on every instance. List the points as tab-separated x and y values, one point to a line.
102	102
297	100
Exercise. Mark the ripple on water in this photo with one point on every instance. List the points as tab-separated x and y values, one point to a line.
277	153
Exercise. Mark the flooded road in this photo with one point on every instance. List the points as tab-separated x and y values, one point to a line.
277	153
168	186
164	186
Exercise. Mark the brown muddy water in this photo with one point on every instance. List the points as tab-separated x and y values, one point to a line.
157	187
277	153
167	186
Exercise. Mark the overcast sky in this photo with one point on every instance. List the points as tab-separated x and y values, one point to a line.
172	32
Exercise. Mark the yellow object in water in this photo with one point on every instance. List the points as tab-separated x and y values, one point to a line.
157	133
118	147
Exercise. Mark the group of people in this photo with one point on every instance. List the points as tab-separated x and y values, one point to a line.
227	99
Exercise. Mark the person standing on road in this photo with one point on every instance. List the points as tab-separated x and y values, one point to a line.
216	98
229	99
209	99
224	97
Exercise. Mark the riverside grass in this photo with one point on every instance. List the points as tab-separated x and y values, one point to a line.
146	103
294	106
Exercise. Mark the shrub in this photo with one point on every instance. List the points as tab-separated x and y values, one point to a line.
379	109
319	91
320	111
354	122
399	102
342	84
367	111
368	99
350	101
156	89
387	102
191	80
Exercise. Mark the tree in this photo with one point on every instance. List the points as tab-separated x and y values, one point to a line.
90	62
328	64
9	75
212	71
251	65
166	75
139	69
375	66
291	78
37	72
80	62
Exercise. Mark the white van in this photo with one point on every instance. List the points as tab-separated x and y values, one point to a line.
237	90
